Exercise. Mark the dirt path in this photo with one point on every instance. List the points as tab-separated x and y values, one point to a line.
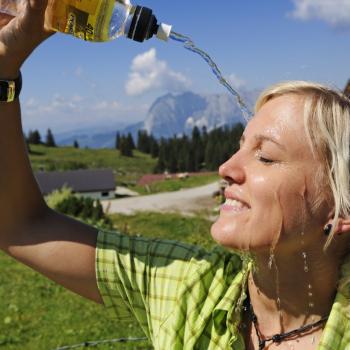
183	201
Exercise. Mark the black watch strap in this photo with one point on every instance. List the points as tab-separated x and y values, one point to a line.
10	89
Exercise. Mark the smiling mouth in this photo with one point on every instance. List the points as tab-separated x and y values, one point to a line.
233	205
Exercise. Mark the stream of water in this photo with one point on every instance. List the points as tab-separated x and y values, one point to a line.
189	45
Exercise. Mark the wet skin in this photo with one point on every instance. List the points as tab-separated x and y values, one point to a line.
274	174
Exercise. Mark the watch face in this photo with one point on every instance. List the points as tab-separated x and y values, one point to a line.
10	89
3	90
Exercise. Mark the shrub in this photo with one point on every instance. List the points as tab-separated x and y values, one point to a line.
82	208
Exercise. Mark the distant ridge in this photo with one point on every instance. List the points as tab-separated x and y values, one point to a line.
173	114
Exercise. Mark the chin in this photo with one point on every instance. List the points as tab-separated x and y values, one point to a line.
232	235
226	235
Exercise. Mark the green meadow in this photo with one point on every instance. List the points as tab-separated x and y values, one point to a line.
170	185
128	170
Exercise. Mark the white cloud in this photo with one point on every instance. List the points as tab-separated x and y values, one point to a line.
148	73
236	82
334	12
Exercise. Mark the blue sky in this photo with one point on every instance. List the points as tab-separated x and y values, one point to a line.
71	84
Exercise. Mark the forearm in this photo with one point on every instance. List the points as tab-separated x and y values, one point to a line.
55	245
20	197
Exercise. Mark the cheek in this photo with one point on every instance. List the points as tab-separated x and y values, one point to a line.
294	210
267	218
278	210
261	226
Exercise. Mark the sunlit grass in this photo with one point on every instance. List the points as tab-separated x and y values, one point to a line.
170	185
128	170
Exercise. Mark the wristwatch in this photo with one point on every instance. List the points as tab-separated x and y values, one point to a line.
10	89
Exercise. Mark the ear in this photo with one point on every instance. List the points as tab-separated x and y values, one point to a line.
343	226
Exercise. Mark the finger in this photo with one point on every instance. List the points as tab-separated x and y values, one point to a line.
32	20
38	5
4	19
33	13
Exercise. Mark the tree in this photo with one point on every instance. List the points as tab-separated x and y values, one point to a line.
117	141
130	142
50	140
124	147
143	141
76	144
183	156
154	149
209	151
161	165
171	155
202	150
34	137
97	212
86	209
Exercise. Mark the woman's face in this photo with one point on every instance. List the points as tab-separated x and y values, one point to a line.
272	183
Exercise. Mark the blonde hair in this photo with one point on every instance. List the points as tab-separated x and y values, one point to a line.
327	125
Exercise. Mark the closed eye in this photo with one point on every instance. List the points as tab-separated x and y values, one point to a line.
265	160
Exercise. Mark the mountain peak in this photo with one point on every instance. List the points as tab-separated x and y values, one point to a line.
177	114
174	114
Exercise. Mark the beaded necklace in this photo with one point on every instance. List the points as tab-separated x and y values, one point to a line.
279	337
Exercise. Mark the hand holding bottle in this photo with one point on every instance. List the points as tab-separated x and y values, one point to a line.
21	35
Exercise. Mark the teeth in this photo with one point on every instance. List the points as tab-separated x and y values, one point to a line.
234	203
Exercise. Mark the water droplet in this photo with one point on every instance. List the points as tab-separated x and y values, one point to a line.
313	340
310	294
306	269
309	286
304	255
311	304
271	258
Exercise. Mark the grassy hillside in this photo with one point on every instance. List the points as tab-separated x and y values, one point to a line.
177	184
127	169
36	314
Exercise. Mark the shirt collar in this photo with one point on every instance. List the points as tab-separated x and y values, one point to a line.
227	313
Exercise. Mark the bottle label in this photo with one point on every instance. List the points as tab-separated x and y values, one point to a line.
85	19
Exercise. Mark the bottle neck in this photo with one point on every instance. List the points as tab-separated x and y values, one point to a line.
128	23
143	24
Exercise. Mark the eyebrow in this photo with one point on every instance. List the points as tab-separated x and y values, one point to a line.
263	138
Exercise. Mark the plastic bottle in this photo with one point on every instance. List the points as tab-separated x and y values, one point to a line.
96	20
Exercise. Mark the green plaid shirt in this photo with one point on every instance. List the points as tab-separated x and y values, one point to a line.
185	297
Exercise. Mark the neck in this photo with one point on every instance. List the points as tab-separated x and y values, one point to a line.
286	290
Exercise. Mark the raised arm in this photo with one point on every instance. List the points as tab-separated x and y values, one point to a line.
53	244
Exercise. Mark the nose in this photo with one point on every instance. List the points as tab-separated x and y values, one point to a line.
232	170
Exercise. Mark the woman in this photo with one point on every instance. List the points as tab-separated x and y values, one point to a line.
286	215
